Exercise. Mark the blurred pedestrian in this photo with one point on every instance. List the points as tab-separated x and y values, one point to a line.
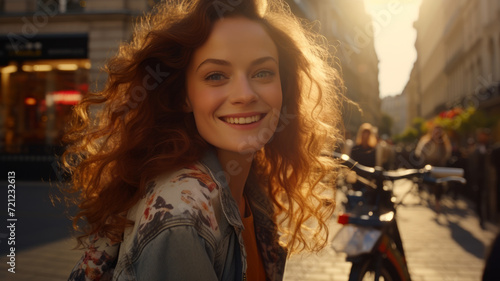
206	163
478	171
364	152
434	148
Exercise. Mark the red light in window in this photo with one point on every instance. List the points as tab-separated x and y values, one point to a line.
69	97
30	101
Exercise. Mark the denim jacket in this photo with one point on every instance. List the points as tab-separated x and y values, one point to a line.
186	227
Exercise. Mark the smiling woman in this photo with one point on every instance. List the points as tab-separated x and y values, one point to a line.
207	153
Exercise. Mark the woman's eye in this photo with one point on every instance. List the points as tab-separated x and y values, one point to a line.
215	77
264	74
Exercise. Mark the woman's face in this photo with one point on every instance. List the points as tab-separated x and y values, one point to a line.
234	87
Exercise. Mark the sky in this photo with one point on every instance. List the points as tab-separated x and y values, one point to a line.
394	37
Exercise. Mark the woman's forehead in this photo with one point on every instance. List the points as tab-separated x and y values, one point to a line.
232	38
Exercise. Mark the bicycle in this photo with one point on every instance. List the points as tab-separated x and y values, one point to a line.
370	236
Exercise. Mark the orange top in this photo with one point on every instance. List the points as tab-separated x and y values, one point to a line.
255	267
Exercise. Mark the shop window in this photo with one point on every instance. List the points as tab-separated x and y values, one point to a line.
36	100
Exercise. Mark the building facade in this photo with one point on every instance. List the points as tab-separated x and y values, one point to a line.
472	37
458	64
51	54
431	54
396	108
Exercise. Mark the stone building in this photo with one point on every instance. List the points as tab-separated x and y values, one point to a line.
472	38
458	64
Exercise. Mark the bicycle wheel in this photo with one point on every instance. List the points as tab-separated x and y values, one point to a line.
365	271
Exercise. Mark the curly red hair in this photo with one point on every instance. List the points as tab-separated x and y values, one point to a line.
139	130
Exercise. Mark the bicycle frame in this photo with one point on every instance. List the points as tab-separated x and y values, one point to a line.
370	236
396	256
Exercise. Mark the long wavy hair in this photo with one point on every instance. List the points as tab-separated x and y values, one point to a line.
136	129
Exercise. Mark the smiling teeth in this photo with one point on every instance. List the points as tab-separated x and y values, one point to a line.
242	120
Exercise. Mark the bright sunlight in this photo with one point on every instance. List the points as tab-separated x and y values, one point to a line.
394	41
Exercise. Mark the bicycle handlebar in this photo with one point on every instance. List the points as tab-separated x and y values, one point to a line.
442	172
428	173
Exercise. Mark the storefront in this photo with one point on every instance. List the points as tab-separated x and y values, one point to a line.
42	78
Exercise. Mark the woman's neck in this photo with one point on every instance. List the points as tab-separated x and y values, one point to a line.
237	167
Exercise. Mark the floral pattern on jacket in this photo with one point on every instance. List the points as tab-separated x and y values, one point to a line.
158	209
97	262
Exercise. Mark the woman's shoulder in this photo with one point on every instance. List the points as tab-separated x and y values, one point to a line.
183	197
178	201
189	178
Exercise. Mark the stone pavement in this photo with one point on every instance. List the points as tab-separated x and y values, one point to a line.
450	246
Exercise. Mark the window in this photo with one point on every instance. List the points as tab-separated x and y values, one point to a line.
37	99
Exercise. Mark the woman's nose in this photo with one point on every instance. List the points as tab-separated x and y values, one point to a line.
242	91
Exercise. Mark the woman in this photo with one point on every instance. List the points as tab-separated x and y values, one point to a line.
205	161
364	151
434	148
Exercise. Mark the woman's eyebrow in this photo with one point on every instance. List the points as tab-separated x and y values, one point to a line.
214	61
264	59
226	63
